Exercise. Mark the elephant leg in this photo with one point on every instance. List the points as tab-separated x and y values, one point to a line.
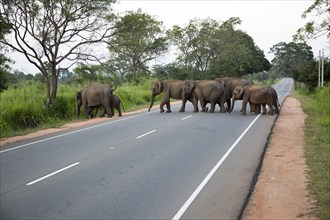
88	112
203	105
277	111
195	103
264	109
108	111
271	110
252	107
112	109
119	110
222	107
212	108
168	106
161	106
183	105
243	110
257	109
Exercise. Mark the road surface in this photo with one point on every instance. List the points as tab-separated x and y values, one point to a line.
149	165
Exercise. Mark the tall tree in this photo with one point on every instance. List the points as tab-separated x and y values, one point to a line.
196	44
4	61
57	32
294	60
141	39
314	29
210	49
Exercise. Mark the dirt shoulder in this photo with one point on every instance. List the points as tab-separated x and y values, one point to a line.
281	189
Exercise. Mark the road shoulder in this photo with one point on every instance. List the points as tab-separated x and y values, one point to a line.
281	189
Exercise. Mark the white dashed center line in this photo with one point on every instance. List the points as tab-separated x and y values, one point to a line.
186	117
145	134
49	175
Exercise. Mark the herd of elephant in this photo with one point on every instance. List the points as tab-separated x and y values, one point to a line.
219	91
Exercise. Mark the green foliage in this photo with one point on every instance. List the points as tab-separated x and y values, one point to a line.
295	60
140	39
210	49
24	106
79	24
264	78
317	150
313	29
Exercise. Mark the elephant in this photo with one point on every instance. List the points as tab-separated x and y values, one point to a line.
230	84
92	97
205	91
170	89
257	95
115	102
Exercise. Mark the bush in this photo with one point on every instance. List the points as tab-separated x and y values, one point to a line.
24	105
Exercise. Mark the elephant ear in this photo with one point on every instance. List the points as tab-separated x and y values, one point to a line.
241	91
191	85
161	86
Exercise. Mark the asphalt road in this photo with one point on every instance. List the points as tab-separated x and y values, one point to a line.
144	166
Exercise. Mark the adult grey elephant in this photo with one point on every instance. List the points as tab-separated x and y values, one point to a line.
230	84
170	89
206	91
93	97
257	95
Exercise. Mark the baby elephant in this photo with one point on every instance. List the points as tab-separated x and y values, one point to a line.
115	103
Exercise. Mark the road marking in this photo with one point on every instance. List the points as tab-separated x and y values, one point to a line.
186	117
146	134
210	174
49	175
72	132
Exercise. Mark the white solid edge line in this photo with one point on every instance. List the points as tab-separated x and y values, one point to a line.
210	174
186	117
72	132
49	175
145	134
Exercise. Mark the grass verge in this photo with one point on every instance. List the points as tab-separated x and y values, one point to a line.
317	149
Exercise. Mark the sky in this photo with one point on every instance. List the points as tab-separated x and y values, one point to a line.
267	22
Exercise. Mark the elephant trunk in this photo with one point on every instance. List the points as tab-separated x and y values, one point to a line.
151	102
232	105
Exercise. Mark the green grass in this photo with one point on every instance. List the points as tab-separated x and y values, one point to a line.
23	106
317	149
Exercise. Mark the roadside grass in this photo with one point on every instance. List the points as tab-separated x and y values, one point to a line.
23	107
317	149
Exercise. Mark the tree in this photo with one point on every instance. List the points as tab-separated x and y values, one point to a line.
87	73
294	60
4	61
57	32
210	49
196	44
312	29
141	39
